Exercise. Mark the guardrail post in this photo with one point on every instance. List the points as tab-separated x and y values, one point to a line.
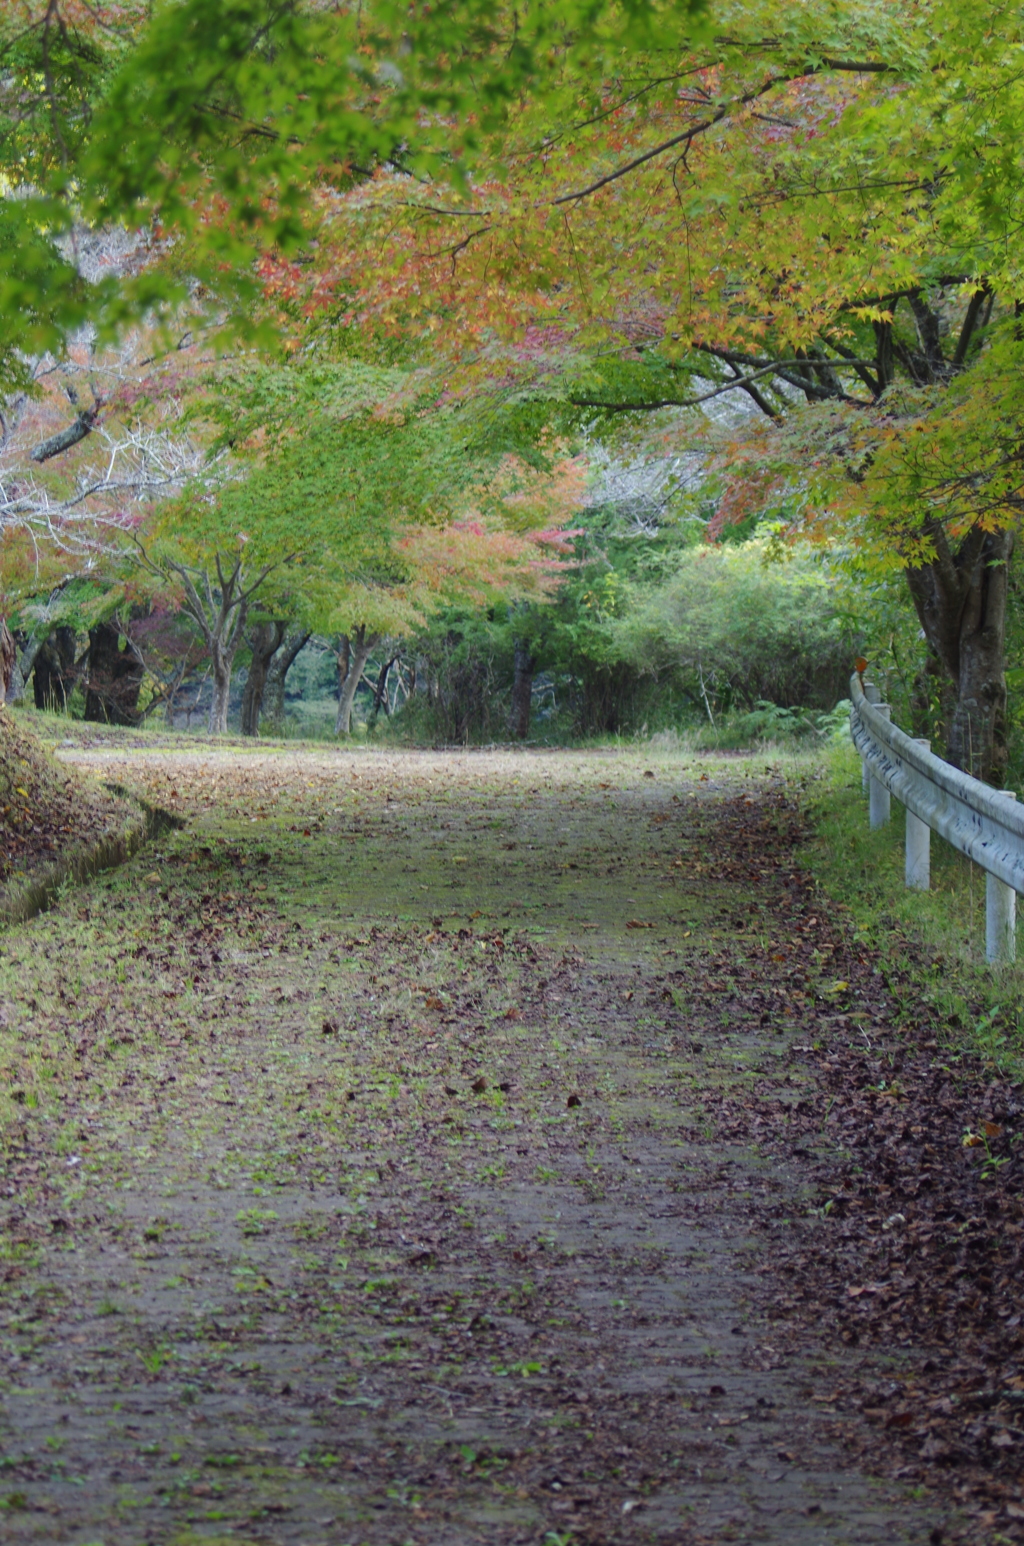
918	846
879	804
1000	914
872	695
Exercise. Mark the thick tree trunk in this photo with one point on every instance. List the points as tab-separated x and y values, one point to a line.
354	650
29	648
53	674
343	659
221	663
522	691
265	641
282	663
8	657
960	600
114	680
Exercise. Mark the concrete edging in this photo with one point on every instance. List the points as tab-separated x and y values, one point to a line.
24	899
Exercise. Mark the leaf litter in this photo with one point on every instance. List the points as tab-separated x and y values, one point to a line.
358	1196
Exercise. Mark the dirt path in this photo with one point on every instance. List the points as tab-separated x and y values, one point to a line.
367	1176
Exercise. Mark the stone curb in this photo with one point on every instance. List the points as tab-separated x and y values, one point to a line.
24	899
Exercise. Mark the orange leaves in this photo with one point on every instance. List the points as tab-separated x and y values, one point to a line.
465	561
744	496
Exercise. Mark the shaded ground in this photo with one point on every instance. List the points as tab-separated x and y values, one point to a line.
453	1148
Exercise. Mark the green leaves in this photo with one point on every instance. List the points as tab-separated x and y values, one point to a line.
41	295
232	120
385	503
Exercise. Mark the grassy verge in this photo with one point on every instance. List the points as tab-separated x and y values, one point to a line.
931	944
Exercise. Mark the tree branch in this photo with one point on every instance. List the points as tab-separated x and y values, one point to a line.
66	438
974	307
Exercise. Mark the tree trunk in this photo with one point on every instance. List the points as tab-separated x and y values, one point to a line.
53	674
355	652
279	668
8	656
221	663
960	600
28	650
171	689
114	679
380	694
522	691
343	660
266	641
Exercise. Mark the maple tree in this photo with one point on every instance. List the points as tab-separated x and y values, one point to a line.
354	515
88	133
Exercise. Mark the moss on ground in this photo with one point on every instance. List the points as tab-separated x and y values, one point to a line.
372	1170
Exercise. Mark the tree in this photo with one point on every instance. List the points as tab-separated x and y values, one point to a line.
216	596
294	642
354	651
393	503
115	671
8	655
264	641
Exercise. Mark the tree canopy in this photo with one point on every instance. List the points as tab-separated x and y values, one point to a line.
588	217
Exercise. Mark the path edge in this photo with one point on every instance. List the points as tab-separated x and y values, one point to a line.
22	901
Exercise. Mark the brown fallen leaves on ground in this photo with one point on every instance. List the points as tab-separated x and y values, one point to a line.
920	1246
434	1073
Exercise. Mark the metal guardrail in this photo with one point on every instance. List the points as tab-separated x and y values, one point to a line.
979	821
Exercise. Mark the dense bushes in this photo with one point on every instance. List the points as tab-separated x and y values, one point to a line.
644	637
739	628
